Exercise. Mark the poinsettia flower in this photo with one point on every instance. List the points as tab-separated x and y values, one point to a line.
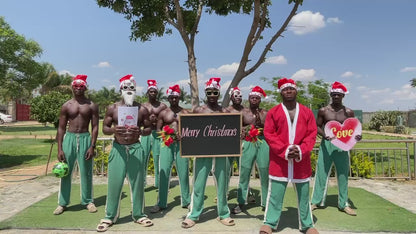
167	135
168	130
169	141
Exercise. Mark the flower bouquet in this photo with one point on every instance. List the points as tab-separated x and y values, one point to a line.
252	133
167	135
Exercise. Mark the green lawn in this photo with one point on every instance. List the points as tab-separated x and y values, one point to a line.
374	214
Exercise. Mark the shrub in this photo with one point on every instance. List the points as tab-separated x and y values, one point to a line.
101	158
362	165
384	118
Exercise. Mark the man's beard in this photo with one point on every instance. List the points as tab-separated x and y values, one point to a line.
128	97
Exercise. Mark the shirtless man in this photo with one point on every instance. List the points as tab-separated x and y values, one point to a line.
330	154
126	157
77	145
169	154
152	142
202	167
253	151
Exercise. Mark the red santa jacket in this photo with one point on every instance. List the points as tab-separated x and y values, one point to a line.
280	133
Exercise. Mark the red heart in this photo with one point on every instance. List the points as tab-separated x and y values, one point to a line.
343	135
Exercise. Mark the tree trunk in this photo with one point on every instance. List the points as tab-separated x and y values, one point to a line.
193	77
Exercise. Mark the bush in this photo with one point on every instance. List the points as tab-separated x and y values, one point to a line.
384	118
362	165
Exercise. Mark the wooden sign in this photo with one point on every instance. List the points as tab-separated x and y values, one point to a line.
210	135
343	135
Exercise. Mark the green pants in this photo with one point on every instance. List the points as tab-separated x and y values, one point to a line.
328	155
274	204
125	160
202	167
75	146
168	155
152	143
253	152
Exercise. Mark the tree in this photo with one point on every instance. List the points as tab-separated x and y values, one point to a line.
151	18
315	94
54	81
103	98
46	108
19	72
413	82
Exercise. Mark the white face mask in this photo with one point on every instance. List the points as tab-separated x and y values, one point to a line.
128	93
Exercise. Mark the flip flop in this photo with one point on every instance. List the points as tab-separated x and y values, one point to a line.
227	221
188	223
104	225
145	222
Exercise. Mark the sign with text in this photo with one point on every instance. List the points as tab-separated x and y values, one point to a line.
343	135
210	135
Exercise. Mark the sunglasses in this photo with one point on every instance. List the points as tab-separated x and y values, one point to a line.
238	96
79	86
131	87
212	93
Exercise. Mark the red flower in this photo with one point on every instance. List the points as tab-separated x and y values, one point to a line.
167	135
253	133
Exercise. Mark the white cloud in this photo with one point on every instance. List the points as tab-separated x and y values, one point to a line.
304	75
334	20
277	60
347	74
224	70
408	69
306	22
102	64
63	72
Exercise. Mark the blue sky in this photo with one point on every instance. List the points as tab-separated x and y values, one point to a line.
369	46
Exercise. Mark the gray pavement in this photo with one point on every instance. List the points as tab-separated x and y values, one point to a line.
15	197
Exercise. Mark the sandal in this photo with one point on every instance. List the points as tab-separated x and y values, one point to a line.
227	221
104	225
265	229
188	223
144	221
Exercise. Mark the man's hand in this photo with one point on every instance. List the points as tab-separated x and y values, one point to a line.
90	153
119	129
61	156
134	130
293	152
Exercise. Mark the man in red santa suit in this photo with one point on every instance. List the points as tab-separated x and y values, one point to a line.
290	130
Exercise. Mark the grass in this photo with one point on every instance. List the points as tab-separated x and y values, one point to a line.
17	152
374	214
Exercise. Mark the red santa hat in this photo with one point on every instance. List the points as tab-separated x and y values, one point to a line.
285	82
173	90
127	78
79	80
234	90
338	87
258	91
213	82
151	84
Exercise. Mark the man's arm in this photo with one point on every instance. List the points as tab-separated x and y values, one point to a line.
320	122
94	131
63	120
144	121
108	128
159	123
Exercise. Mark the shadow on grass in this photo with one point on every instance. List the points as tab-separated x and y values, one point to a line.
7	161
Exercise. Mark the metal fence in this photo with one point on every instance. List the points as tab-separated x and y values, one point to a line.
391	159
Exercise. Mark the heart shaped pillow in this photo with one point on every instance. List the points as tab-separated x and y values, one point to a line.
343	135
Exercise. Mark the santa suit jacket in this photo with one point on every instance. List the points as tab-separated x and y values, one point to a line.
280	134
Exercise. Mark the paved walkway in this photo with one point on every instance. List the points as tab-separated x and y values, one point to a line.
16	196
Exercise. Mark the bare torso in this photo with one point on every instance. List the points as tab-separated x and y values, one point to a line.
78	115
124	135
154	109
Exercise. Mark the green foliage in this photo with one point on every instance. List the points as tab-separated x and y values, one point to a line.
103	98
46	108
362	165
101	158
314	94
384	118
19	72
